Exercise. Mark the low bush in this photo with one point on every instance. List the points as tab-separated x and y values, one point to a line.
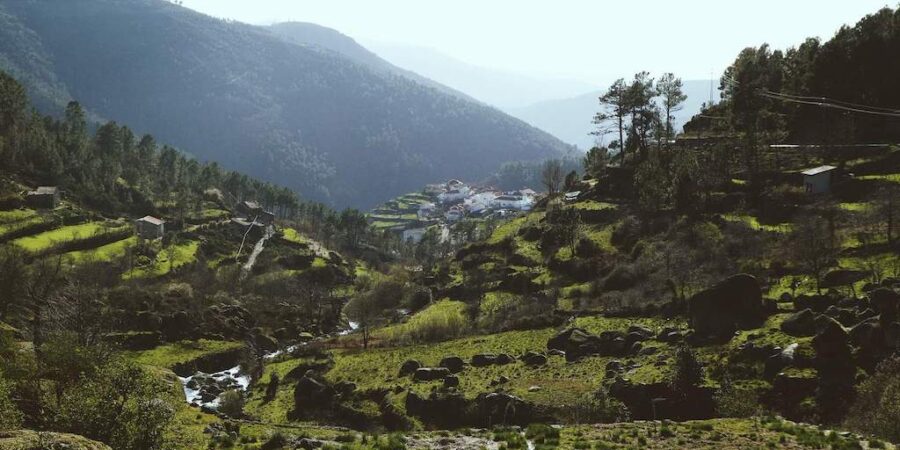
877	406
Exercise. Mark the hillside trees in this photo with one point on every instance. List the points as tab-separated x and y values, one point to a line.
669	89
552	176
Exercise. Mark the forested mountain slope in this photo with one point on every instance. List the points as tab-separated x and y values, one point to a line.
314	121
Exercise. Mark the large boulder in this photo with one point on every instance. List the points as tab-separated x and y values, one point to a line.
886	302
454	364
534	359
832	340
577	343
312	394
735	303
502	408
430	373
409	366
842	277
802	323
483	360
569	340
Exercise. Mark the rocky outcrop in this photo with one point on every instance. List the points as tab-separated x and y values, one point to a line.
656	401
577	343
209	363
802	323
735	303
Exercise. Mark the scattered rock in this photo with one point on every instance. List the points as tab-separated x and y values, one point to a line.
886	302
534	359
454	364
802	323
534	388
451	381
430	373
409	367
483	360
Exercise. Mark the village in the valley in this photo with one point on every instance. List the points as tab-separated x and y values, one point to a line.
442	205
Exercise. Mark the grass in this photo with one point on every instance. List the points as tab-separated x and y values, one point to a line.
441	320
562	383
182	254
593	205
170	355
103	253
43	241
753	223
855	207
291	235
704	434
16	215
890	177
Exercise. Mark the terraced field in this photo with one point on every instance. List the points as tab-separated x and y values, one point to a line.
48	239
167	260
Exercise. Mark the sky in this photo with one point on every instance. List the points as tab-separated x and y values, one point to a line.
589	40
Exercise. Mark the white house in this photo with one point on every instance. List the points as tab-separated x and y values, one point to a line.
514	200
480	202
426	210
456	191
818	179
455	214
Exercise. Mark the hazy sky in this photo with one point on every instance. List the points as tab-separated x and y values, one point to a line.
591	40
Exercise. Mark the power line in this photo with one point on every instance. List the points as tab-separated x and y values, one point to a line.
826	105
831	100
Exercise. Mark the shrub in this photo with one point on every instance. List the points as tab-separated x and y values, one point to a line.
877	404
231	403
276	442
121	405
10	416
688	372
441	321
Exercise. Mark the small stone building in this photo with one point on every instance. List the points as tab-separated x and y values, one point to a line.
44	197
149	227
818	179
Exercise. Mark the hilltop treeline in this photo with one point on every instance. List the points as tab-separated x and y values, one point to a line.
843	90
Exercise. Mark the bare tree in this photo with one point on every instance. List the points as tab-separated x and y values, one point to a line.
813	246
44	281
670	90
552	176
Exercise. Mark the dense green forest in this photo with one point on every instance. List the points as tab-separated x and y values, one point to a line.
841	91
316	121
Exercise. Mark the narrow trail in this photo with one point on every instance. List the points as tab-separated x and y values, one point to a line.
257	249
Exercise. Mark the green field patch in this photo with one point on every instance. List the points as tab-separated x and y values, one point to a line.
754	223
103	253
593	205
292	235
890	177
43	241
855	207
168	259
441	320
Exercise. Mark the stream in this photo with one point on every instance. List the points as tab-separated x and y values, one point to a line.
203	389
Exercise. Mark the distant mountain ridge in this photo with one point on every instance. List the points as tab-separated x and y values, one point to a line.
570	119
334	127
503	89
